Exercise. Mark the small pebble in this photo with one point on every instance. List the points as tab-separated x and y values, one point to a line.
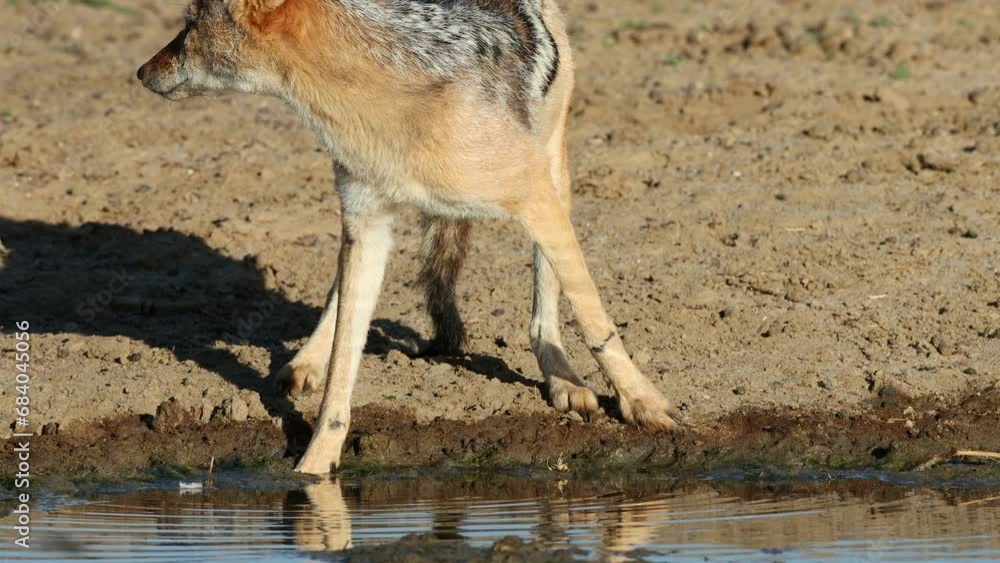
943	345
396	357
233	409
168	415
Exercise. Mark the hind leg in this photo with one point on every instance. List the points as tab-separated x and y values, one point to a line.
566	392
548	223
445	246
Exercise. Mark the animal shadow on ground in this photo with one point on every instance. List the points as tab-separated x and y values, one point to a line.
172	291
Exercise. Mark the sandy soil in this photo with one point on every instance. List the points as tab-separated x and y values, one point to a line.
789	207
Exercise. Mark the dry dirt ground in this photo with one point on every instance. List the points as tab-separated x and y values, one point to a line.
791	208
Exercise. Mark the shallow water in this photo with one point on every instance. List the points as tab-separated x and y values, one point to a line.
711	518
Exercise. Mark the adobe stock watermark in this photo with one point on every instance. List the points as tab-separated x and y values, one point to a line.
22	434
248	324
89	308
34	27
35	23
43	14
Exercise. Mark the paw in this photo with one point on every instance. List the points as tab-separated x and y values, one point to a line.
296	380
566	396
446	344
314	465
649	410
323	454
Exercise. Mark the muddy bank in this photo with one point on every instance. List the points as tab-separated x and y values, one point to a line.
895	433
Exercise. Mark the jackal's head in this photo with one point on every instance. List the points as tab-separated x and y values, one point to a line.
222	48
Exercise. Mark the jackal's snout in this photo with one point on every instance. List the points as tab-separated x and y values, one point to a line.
219	50
163	73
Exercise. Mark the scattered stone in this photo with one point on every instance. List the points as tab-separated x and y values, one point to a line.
796	294
168	415
825	383
50	428
75	346
207	408
257	410
233	409
396	357
939	156
309	240
943	345
768	328
740	391
890	397
118	356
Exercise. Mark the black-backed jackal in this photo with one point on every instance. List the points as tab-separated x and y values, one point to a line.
457	107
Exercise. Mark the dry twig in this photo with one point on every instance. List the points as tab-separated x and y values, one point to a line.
942	458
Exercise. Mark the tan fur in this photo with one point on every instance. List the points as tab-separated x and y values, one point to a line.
409	137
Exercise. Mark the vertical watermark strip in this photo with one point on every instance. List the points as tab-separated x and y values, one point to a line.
22	433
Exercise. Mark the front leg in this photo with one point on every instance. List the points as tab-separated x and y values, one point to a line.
363	255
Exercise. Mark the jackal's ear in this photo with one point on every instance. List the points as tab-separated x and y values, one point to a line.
253	11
